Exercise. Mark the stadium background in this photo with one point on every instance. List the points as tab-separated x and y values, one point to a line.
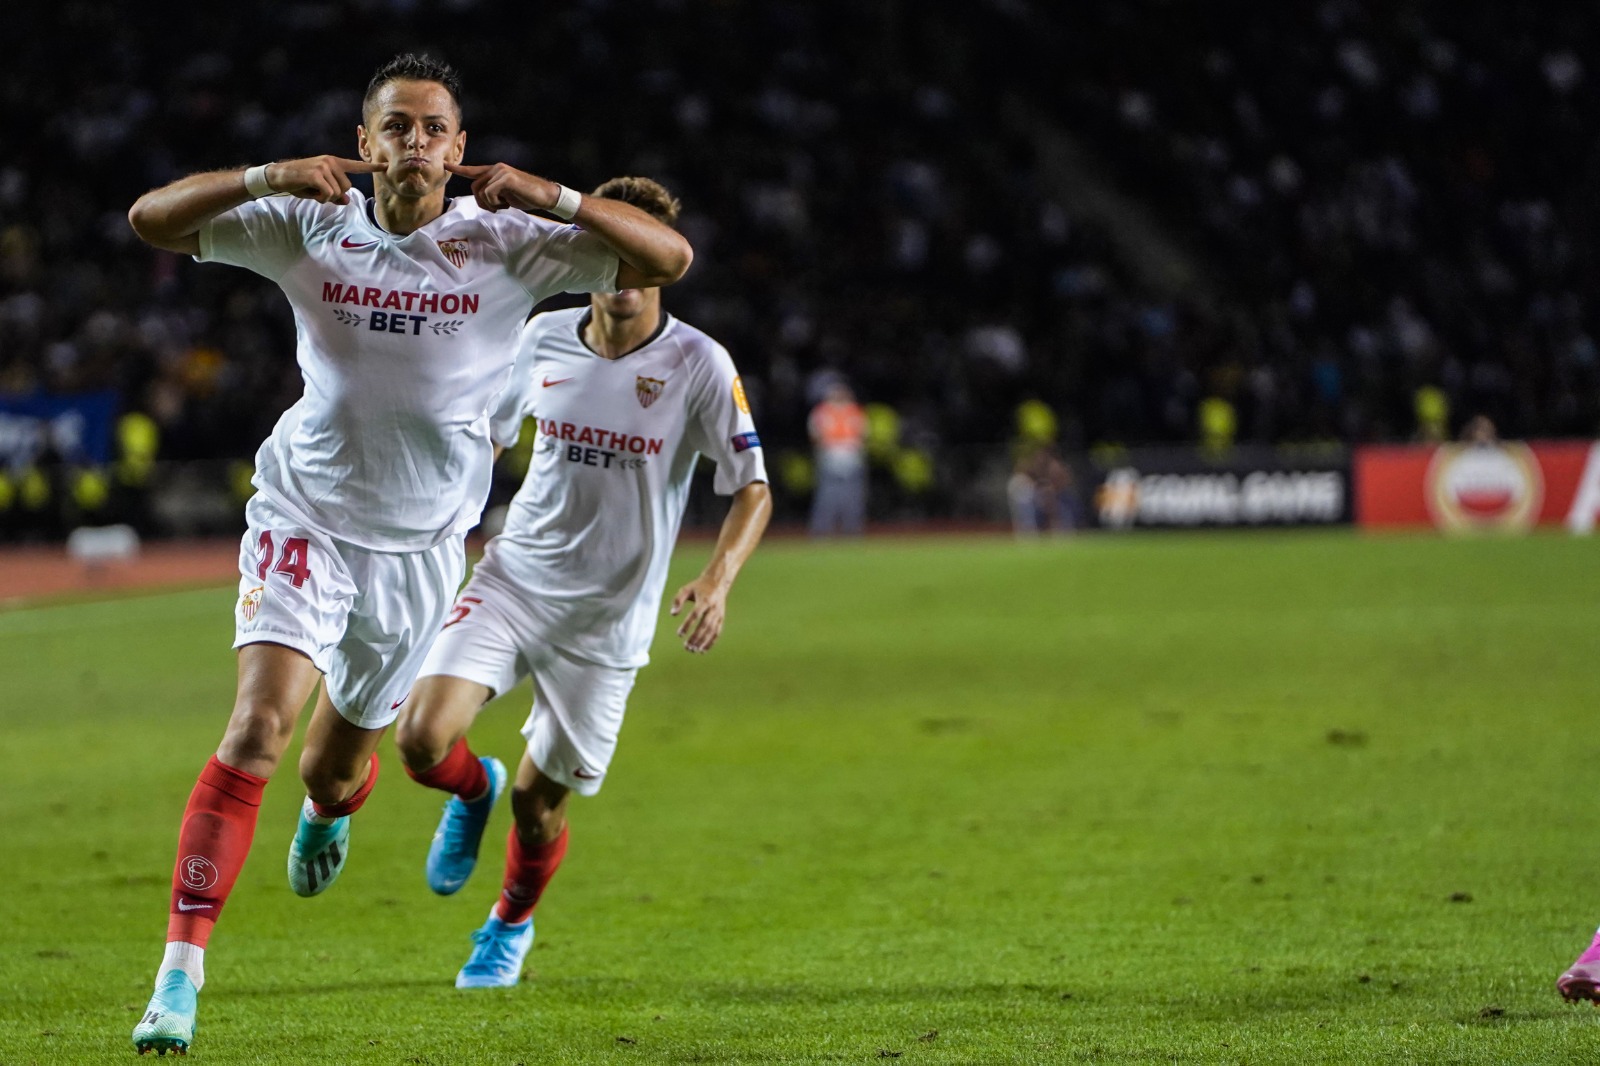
1309	797
1096	226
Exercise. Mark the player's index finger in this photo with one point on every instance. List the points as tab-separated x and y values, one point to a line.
358	166
466	170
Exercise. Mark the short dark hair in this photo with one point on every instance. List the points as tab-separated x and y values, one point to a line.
648	195
408	66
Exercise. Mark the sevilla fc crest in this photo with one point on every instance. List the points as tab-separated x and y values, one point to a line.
198	872
456	251
648	389
250	602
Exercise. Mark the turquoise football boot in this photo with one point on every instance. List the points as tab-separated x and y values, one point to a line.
498	951
168	1022
318	852
454	851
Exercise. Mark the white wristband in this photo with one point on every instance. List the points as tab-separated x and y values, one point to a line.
255	182
567	202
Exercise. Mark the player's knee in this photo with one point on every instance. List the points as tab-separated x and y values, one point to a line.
422	741
328	783
540	810
258	732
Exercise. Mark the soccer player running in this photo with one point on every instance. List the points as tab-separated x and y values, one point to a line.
626	398
407	308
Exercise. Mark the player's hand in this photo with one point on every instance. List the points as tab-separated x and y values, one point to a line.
497	186
319	177
701	629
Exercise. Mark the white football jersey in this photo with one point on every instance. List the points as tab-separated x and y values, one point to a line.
405	345
590	532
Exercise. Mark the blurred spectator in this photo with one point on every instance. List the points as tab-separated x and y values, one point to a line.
42	514
138	444
9	509
1219	424
1043	493
838	428
1433	414
1479	430
1036	424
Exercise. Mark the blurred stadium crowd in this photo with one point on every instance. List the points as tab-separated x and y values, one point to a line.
1373	213
1394	201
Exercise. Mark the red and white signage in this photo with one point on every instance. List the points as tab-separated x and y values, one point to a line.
1501	487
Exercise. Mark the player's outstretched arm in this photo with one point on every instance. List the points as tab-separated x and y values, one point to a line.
652	252
741	532
170	217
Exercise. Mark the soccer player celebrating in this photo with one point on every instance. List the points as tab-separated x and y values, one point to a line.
406	310
625	398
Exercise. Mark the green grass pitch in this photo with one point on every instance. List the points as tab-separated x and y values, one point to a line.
1247	799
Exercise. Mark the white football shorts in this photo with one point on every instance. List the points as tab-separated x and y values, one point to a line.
578	705
364	618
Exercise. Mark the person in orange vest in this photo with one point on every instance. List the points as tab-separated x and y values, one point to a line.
838	429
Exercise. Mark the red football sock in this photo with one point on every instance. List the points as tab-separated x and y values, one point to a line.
218	825
459	773
528	870
353	804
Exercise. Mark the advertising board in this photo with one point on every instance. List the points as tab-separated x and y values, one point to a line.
1186	489
1498	487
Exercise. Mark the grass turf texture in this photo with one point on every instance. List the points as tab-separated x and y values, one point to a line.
1300	798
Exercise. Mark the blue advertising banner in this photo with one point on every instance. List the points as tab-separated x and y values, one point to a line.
76	426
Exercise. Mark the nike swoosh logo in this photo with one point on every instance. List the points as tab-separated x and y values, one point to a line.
557	381
185	905
346	243
398	702
587	775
